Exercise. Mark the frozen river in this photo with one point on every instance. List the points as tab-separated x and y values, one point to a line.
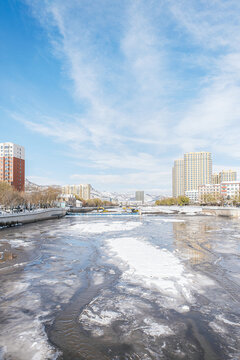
121	288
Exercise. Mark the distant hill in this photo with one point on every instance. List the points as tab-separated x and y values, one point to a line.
103	195
30	186
126	196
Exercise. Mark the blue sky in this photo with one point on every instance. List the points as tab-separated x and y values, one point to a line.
111	92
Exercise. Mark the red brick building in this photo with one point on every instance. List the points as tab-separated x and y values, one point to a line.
12	165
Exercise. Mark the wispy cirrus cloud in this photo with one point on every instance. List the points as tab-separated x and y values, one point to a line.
153	79
212	116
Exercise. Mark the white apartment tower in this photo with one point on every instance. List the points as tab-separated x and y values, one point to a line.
82	190
197	169
178	178
139	196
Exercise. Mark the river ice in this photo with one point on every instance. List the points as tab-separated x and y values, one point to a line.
122	288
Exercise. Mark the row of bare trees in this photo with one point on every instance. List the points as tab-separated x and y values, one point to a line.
94	202
206	199
180	200
219	200
11	198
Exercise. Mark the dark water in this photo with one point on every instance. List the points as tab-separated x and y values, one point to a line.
121	288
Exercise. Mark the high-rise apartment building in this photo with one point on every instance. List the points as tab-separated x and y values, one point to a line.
224	175
197	169
178	178
82	190
139	196
86	191
215	179
227	175
12	165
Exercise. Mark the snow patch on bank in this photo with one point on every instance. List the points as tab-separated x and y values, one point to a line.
188	210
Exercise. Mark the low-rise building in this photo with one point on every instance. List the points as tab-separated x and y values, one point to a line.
227	189
192	195
208	189
230	189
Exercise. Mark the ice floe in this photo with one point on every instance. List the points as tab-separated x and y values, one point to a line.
158	270
152	267
130	313
102	227
187	210
155	329
16	243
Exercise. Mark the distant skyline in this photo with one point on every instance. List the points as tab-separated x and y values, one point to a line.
112	92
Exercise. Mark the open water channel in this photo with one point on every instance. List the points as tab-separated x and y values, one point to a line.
121	288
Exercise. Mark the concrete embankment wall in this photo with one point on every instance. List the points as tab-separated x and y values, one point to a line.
28	217
87	209
228	212
81	209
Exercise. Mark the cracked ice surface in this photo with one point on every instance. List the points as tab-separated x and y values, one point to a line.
157	279
26	336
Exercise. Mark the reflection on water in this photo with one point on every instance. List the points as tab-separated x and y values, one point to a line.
6	255
121	289
192	240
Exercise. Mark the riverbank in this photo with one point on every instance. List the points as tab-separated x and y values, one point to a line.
31	216
192	210
159	210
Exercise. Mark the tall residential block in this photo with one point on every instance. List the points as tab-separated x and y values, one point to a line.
12	165
215	179
197	169
227	175
178	178
82	190
224	175
139	196
86	191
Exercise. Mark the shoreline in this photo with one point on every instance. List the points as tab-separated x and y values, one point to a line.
8	220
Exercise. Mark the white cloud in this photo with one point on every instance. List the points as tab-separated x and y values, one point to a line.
212	117
154	79
213	24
